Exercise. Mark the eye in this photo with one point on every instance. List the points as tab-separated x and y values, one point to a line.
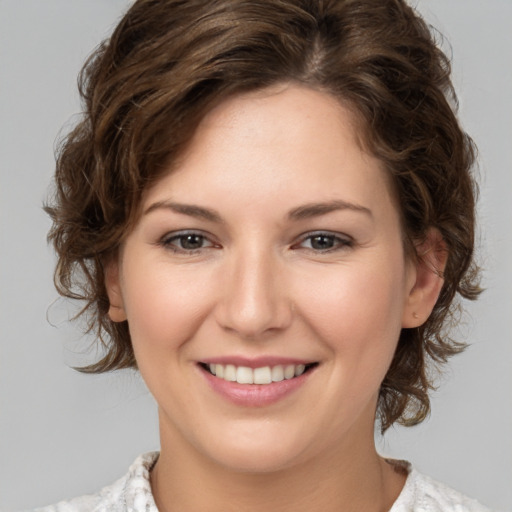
186	242
324	242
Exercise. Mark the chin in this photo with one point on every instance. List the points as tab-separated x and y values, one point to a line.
263	452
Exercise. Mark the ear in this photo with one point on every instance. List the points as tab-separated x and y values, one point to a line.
116	310
426	279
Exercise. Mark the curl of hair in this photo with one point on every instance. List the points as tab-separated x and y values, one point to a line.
168	63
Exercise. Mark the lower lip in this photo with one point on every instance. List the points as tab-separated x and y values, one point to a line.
255	395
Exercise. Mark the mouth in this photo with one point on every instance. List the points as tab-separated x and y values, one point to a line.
263	375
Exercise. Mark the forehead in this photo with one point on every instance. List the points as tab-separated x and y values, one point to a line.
281	137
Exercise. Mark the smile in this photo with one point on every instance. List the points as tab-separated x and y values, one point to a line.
256	383
262	375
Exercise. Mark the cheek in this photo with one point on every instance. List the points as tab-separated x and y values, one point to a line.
356	310
163	306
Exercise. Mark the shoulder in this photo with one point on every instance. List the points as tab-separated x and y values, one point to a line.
424	494
131	492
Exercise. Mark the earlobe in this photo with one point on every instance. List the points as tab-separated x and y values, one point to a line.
116	311
427	279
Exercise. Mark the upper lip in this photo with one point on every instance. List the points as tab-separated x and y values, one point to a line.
256	362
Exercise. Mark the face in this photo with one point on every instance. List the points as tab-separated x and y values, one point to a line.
273	254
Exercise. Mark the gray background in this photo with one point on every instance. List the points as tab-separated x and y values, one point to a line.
62	433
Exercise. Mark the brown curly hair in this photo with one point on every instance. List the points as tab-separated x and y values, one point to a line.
169	62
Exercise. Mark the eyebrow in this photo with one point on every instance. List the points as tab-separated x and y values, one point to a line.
317	209
301	212
186	209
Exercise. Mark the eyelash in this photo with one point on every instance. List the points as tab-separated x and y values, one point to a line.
167	242
338	242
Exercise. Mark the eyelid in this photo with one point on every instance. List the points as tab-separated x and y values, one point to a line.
167	239
342	240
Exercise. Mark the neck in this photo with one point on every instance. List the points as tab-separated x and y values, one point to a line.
353	478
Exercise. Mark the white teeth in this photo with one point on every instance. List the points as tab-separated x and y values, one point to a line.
299	369
277	374
262	375
244	375
289	371
229	372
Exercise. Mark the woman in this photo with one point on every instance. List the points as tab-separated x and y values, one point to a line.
269	211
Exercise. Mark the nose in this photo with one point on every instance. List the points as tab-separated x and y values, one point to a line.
255	298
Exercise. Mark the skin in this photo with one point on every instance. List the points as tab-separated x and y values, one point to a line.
257	285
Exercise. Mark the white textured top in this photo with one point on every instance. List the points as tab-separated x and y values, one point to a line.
132	493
